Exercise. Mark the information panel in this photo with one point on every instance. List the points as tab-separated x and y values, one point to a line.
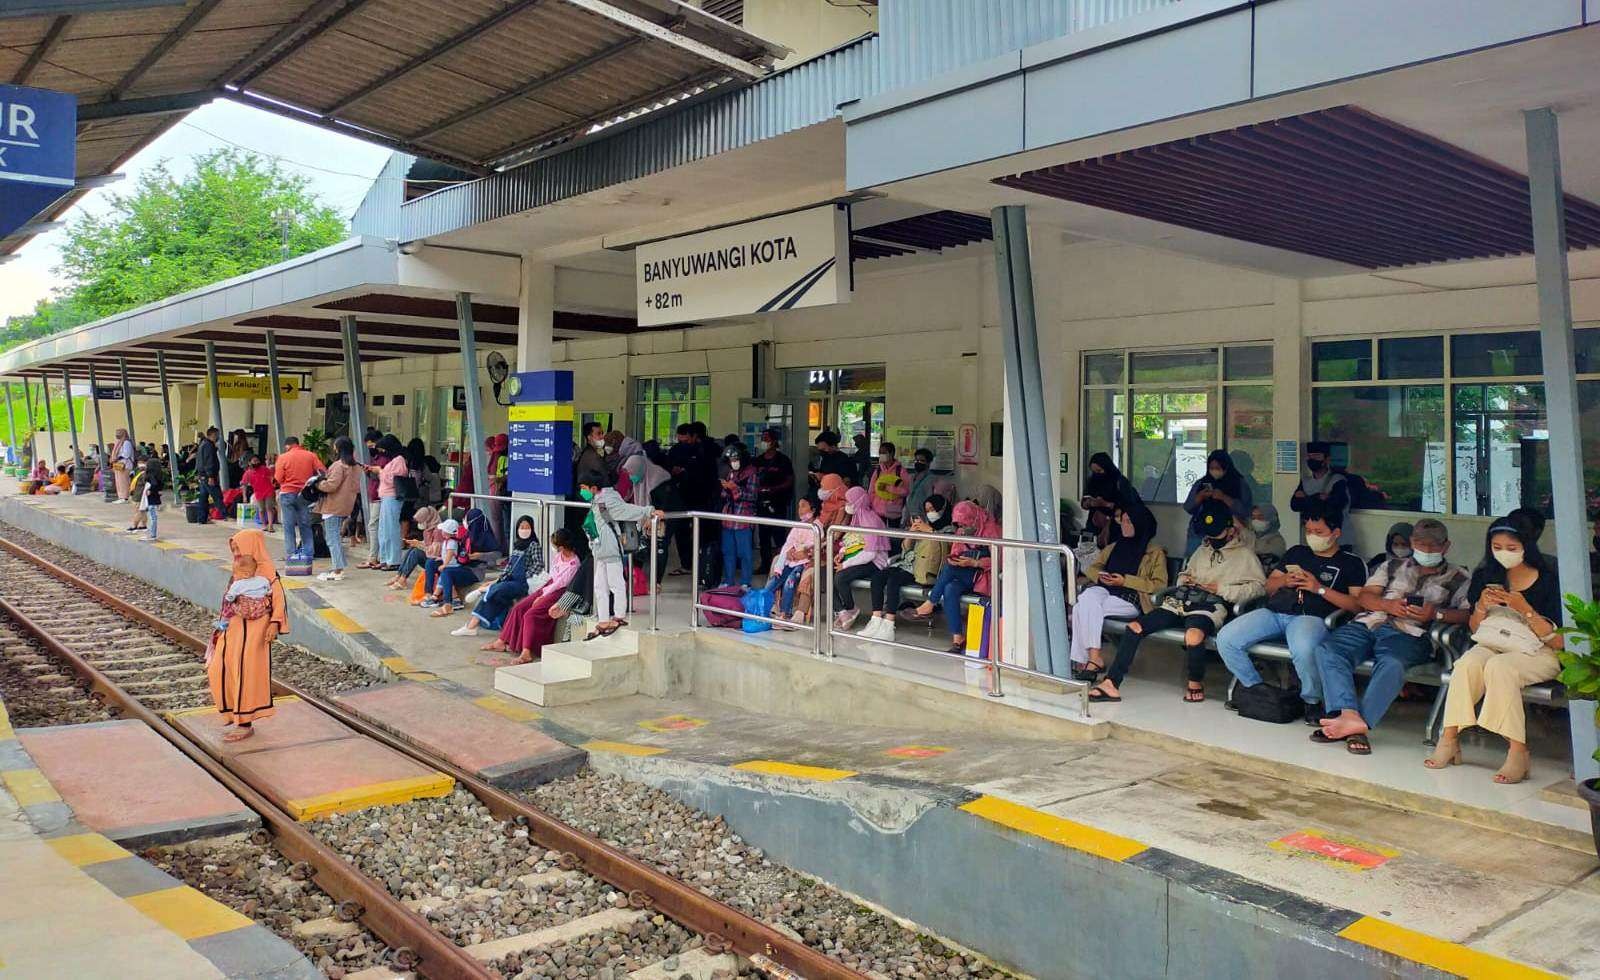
539	433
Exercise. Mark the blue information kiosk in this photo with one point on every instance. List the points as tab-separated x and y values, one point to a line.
540	433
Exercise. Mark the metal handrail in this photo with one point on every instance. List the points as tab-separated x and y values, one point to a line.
995	664
816	626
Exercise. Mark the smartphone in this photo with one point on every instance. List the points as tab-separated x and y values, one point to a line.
1293	569
1415	600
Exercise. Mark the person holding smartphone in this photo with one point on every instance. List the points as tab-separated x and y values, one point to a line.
1122	580
1402	599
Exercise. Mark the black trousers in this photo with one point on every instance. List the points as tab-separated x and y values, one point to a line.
1155	621
844	594
886	586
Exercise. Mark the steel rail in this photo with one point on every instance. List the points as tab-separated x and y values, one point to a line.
644	885
417	944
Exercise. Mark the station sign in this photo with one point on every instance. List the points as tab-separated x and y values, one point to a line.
38	152
539	433
250	386
781	263
108	393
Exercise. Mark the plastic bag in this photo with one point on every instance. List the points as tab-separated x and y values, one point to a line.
757	602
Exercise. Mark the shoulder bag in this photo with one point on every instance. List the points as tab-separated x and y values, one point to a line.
1505	630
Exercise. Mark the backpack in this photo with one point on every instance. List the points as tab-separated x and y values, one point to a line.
722	598
1269	702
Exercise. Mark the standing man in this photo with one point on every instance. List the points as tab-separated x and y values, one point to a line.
207	466
1321	488
830	460
921	485
296	466
774	493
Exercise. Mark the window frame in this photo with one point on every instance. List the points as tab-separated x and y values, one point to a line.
1446	378
639	408
1215	391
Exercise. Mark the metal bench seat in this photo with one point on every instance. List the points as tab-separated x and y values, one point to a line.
1452	642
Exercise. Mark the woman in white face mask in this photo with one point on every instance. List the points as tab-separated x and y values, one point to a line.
1269	543
1516	609
1396	547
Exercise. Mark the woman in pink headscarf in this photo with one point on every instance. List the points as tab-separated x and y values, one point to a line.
859	557
966	570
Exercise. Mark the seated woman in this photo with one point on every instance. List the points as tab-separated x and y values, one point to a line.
1222	482
457	573
860	556
965	570
791	562
1396	547
421	544
60	483
526	561
1222	572
1516	609
1121	581
1269	545
529	625
918	562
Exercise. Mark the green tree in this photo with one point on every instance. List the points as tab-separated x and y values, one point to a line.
170	235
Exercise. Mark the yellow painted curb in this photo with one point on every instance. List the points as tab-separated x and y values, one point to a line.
373	794
1452	958
340	621
621	748
29	787
188	913
292	583
85	849
506	709
399	665
165	545
1057	830
816	774
200	556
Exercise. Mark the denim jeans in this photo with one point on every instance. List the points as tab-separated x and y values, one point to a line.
953	583
1303	634
296	515
210	495
784	587
738	557
1393	652
332	524
388	531
411	561
150	511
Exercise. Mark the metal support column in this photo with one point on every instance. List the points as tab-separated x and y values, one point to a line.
216	415
1027	436
109	488
49	419
278	431
166	409
33	429
358	392
1548	207
127	397
72	417
11	417
469	371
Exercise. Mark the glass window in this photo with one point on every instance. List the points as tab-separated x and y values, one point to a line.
1247	435
1411	357
1102	424
641	389
1102	369
1171	439
1586	350
1495	355
1342	360
1393	436
663	404
1247	363
1589	429
1502	448
1169	367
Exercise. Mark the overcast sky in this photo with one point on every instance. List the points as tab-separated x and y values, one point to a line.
340	170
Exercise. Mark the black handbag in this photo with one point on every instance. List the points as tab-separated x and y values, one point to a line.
1269	702
406	488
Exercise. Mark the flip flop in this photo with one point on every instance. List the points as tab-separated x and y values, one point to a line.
1098	696
1322	738
1358	744
1194	695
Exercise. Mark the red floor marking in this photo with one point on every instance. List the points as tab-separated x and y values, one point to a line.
1342	853
672	723
916	751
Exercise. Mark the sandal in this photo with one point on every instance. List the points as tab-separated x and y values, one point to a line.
1358	744
1321	738
442	611
1088	672
1509	775
1447	753
1100	695
1194	695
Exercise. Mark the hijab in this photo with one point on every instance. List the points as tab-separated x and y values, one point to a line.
988	497
518	542
1127	553
970	515
1401	529
1107	485
254	543
1231	482
940	503
480	536
1269	513
860	498
426	518
645	475
629	448
832	511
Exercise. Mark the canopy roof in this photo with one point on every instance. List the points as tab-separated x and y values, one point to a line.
471	83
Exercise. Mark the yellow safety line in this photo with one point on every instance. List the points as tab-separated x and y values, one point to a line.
621	748
433	784
341	622
188	913
29	786
199	556
506	709
1055	829
86	849
817	774
1447	957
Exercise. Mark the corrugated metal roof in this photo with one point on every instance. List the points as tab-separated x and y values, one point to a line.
803	95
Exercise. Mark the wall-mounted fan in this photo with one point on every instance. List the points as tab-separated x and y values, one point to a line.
499	370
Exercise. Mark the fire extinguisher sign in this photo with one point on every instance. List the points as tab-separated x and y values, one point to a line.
967	445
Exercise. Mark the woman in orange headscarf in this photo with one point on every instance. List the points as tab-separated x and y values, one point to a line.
831	493
239	657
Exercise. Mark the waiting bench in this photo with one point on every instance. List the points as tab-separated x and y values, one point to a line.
1453	642
918	594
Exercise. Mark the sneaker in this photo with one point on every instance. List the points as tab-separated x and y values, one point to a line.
885	630
331	577
869	631
428	603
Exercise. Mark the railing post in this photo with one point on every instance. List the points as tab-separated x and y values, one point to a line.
823	590
816	609
694	573
994	622
655	529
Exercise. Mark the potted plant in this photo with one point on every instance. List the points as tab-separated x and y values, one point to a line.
1580	673
187	490
316	441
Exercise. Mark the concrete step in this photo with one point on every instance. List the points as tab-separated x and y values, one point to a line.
576	671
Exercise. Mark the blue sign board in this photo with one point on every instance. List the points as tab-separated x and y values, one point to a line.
539	454
38	152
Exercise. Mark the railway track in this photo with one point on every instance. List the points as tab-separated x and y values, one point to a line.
599	899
